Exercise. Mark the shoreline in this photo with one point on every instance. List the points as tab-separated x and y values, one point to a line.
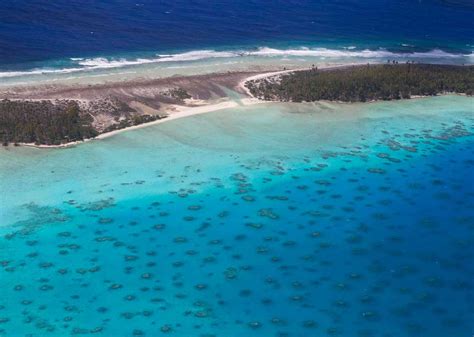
199	106
183	113
288	71
188	111
243	87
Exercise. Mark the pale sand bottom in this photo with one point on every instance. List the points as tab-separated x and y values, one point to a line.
181	112
174	112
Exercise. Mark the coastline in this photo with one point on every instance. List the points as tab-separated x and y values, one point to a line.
205	87
171	111
261	76
442	90
182	113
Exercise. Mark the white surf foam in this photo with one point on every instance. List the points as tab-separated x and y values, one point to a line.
88	64
366	53
45	71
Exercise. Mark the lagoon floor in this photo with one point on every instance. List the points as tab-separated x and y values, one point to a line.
268	220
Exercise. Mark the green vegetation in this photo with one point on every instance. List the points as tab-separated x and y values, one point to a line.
59	122
134	120
366	83
43	122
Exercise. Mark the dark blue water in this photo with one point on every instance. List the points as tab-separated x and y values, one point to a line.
39	30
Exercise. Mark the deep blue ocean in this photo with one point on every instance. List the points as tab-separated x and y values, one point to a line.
33	32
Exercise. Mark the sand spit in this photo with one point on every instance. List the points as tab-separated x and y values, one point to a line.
209	93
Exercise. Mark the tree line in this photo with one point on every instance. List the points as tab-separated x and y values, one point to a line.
365	83
44	122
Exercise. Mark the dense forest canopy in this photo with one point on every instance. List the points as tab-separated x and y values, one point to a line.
365	83
43	122
56	122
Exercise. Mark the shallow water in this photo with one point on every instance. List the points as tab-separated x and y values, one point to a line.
275	220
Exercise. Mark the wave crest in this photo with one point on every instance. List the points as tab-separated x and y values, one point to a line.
88	64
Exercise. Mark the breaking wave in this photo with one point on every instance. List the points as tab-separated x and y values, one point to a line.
88	64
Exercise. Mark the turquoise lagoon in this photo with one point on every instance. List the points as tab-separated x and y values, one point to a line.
268	220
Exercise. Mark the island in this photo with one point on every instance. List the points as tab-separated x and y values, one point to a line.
364	83
63	115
